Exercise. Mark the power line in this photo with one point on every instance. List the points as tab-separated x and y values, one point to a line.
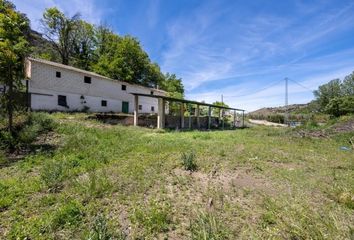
301	85
260	90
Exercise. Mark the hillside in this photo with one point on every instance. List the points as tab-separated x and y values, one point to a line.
87	179
293	108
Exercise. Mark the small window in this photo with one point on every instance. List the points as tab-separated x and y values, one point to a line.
104	103
62	101
58	74
152	92
152	109
87	79
140	107
124	87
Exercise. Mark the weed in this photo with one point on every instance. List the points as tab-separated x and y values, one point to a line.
52	174
69	214
154	217
206	226
100	230
188	161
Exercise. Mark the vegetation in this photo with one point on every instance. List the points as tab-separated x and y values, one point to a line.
113	182
188	161
99	49
336	97
13	50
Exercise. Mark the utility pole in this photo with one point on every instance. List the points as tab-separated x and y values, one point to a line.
286	116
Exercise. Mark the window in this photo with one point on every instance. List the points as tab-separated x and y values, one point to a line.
58	74
87	79
140	107
62	101
124	87
104	103
152	109
152	92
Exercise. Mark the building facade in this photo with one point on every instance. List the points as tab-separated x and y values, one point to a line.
57	87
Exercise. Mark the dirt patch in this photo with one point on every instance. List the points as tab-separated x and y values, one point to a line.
347	126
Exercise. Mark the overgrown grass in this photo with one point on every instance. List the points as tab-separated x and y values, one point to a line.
26	131
256	183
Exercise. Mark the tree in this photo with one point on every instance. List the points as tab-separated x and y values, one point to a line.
339	106
326	92
173	86
84	45
347	87
216	111
61	31
123	58
13	50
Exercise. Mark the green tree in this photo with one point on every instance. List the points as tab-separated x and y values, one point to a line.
339	106
173	86
348	85
61	31
216	111
328	91
84	45
13	50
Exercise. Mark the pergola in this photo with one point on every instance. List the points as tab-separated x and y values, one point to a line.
161	110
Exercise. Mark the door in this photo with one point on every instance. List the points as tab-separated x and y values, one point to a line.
125	107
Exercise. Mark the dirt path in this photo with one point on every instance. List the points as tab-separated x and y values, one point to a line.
267	123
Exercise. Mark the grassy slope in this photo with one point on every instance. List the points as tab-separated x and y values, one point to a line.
253	183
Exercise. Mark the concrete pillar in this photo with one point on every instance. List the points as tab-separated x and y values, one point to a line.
197	114
243	118
182	115
209	117
136	109
190	116
222	118
161	113
234	118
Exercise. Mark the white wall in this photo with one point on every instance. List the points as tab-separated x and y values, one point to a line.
71	84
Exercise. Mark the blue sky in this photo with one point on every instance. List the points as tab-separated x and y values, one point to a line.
234	48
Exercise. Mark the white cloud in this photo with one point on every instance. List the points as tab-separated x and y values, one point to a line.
34	9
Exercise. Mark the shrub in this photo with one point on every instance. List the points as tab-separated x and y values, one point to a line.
206	226
188	161
43	120
339	106
52	174
28	134
70	214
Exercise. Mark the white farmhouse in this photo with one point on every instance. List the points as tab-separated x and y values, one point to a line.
57	87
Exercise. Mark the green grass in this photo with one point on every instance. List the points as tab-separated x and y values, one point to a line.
127	182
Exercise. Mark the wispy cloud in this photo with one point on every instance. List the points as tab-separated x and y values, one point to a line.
89	10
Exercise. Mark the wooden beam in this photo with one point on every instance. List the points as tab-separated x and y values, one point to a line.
136	110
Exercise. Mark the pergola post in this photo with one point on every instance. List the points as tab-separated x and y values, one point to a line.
182	115
234	119
223	118
136	109
209	117
243	118
198	113
190	116
161	113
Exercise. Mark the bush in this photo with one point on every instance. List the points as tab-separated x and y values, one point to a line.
340	106
206	226
52	174
188	161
